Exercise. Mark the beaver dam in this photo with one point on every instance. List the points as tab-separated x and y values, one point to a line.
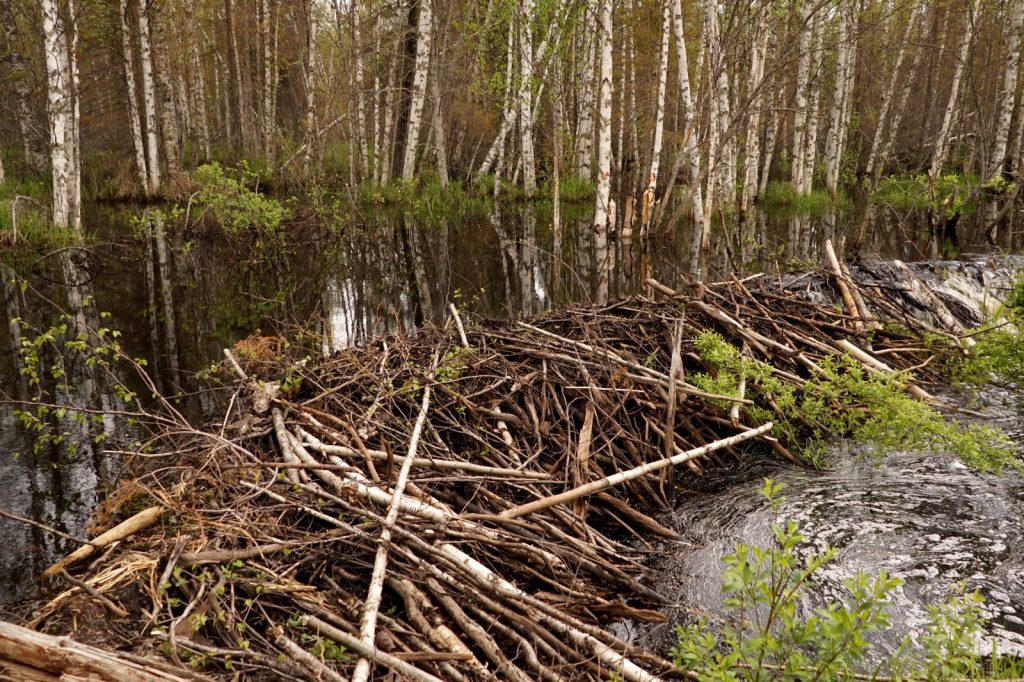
478	501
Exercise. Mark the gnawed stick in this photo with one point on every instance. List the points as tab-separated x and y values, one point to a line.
844	289
876	365
404	670
303	658
144	519
368	623
637	472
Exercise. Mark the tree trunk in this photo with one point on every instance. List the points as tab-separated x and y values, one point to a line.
800	105
814	94
234	87
941	148
308	76
424	35
756	95
61	114
437	121
647	209
198	96
890	91
997	161
134	123
20	75
690	147
149	102
841	96
713	48
267	94
526	97
604	121
585	116
360	95
171	131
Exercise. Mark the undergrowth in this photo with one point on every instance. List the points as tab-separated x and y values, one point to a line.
846	400
781	197
768	636
25	216
229	197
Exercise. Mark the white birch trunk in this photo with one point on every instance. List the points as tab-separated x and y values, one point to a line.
61	111
941	149
604	120
134	123
437	122
198	95
1008	93
170	130
756	93
841	96
424	35
149	102
712	48
647	209
887	96
266	101
360	95
690	147
74	143
800	106
814	95
526	97
20	74
584	158
309	73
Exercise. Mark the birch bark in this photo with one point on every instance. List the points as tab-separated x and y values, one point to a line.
61	112
659	118
997	161
811	132
584	158
841	96
149	102
526	97
134	123
690	147
198	96
756	93
887	96
424	35
941	148
800	104
308	77
604	120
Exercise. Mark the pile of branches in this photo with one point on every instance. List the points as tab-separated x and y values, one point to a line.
468	503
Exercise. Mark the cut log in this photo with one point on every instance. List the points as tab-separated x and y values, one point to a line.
144	519
29	655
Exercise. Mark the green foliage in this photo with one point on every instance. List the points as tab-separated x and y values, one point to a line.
914	192
844	399
782	197
768	637
425	199
575	188
226	196
25	205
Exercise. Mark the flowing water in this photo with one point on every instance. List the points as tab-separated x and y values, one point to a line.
389	272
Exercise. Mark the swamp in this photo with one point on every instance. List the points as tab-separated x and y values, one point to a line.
540	340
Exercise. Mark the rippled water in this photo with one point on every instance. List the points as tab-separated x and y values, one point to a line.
925	518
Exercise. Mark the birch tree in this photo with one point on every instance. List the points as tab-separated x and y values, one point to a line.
526	97
690	147
842	95
604	119
941	147
997	161
887	96
134	122
659	117
149	101
64	170
424	35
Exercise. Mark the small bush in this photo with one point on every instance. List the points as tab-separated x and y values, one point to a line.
781	196
226	197
767	637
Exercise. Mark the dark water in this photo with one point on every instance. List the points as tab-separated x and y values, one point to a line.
373	274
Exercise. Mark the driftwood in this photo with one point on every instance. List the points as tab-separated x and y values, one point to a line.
477	501
139	522
29	655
